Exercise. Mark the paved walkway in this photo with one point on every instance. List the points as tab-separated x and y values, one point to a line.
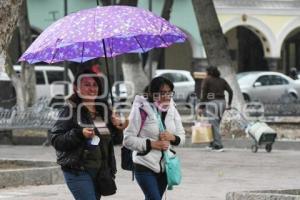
206	175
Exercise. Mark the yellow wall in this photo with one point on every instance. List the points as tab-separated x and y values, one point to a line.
274	22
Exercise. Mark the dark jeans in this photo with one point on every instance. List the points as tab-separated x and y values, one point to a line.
152	184
81	185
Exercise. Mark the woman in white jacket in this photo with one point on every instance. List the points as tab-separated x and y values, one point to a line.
145	139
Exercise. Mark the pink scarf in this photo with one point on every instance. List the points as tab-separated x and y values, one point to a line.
162	107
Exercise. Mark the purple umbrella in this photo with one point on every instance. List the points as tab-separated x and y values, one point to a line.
81	36
102	32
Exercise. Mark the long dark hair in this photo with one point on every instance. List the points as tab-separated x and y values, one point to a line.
213	71
156	84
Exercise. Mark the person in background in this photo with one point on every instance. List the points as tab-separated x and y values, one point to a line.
82	137
147	142
293	73
213	103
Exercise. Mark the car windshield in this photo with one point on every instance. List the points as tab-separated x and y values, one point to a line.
245	78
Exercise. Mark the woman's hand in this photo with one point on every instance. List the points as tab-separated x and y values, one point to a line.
167	136
88	132
117	122
160	145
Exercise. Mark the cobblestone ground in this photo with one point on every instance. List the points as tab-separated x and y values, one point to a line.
206	175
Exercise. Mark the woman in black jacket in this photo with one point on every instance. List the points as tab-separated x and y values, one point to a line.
82	137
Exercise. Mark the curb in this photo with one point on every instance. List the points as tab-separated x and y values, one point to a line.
42	173
270	194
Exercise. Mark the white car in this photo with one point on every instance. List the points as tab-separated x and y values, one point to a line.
184	85
49	81
267	86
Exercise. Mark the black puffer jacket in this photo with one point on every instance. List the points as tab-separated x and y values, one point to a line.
69	142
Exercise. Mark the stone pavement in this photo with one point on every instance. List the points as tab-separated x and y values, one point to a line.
206	175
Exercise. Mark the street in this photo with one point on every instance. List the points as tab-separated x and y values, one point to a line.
206	175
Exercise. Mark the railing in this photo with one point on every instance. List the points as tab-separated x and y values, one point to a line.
39	116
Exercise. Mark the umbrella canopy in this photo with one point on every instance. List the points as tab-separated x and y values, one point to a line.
102	32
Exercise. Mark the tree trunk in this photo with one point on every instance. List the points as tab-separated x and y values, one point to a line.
8	20
129	2
154	56
106	2
133	73
215	45
17	83
132	67
28	73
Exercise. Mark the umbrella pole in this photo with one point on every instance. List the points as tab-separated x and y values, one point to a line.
108	74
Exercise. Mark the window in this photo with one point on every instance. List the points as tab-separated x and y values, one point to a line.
278	80
39	75
175	77
264	80
169	76
55	76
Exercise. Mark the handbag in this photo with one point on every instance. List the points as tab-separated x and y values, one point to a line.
126	154
202	133
105	182
173	169
172	163
105	178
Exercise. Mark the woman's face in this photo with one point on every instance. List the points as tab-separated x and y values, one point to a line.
88	88
165	94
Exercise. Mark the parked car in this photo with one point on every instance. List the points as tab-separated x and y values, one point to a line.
184	85
267	86
49	82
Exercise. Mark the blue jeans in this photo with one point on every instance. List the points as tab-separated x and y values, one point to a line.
81	185
152	184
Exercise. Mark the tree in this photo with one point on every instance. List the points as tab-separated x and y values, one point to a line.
131	63
28	73
155	55
215	45
8	19
132	67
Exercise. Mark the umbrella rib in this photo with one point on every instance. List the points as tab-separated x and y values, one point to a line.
139	44
162	39
82	52
55	51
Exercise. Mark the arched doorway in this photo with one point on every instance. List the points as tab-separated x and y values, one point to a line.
290	51
246	49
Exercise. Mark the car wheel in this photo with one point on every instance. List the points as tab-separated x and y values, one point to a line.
246	97
293	97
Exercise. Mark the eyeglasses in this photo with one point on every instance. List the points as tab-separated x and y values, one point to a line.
164	94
